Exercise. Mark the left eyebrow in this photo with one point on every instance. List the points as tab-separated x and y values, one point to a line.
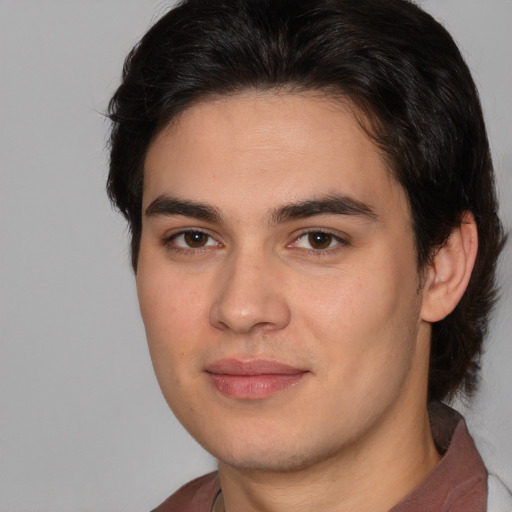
329	205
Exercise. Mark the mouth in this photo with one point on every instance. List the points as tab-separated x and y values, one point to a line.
252	380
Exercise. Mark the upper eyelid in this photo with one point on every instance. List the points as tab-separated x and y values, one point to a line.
183	230
297	233
170	235
343	237
327	231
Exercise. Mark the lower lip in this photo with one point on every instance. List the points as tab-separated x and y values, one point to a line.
254	387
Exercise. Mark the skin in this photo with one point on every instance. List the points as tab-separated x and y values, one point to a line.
251	283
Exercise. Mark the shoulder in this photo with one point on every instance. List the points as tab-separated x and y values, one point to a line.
196	496
499	498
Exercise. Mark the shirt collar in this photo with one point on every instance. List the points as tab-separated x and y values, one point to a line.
459	481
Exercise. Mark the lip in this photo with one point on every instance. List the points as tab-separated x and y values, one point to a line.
252	380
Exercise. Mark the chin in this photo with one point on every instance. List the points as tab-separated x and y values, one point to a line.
272	455
285	464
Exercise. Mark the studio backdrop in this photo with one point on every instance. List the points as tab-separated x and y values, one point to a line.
83	426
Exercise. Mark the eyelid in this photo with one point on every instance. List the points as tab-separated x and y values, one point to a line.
342	240
170	237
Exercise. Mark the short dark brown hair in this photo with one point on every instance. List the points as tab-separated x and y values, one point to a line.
390	59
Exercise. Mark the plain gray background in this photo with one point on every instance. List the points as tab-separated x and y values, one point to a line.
83	426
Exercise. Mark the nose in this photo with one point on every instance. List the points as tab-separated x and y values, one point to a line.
249	296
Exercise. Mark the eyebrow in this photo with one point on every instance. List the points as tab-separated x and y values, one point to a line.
328	205
169	206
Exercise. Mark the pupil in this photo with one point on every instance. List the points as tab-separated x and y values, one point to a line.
320	240
195	238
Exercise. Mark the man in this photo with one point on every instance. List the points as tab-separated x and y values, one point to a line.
314	228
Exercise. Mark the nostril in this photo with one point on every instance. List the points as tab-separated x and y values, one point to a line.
244	314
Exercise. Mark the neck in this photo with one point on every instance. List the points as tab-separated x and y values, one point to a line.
373	476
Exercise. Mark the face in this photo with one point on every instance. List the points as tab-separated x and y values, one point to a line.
277	281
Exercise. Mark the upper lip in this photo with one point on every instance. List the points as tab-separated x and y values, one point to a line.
251	367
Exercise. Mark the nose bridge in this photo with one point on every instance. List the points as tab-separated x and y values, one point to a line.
249	294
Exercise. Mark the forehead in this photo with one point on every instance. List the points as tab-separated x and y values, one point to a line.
262	148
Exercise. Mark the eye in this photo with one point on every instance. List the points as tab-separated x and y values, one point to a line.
318	241
192	239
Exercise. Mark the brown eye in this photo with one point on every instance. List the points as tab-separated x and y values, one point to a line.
319	240
191	241
195	239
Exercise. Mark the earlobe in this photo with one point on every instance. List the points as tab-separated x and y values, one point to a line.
448	275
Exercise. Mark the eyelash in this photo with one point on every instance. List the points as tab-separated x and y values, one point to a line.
339	242
336	242
169	242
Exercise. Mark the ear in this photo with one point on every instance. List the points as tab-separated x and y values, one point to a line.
448	275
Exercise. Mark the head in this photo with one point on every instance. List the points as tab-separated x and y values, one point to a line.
396	70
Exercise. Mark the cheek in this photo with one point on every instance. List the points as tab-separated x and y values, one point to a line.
169	302
171	310
364	323
352	302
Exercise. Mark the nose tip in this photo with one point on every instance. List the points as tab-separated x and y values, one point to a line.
249	298
244	318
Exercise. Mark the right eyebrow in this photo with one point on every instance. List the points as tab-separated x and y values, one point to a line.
169	206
